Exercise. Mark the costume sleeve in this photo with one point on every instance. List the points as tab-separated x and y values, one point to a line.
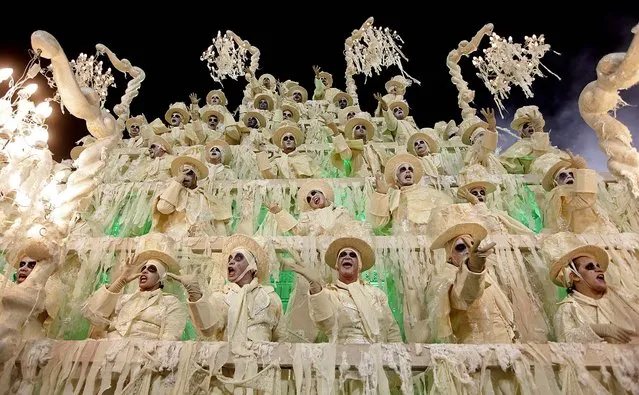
209	315
467	288
101	306
174	319
322	310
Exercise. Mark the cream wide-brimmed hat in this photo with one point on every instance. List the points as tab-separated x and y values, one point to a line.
137	120
76	151
265	96
390	168
528	114
177	107
426	134
451	221
156	246
472	177
546	166
366	252
269	77
248	243
33	248
469	125
399	82
218	93
208	110
561	248
446	129
161	142
339	95
158	127
300	89
261	119
307	187
200	168
362	118
292	107
233	132
223	146
343	113
400	104
288	127
329	78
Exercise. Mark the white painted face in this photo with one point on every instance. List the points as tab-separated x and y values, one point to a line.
421	148
213	121
564	177
156	151
287	115
176	119
288	142
134	131
398	112
479	193
405	175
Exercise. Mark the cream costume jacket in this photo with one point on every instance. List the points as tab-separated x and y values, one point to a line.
477	154
398	130
519	156
181	212
187	135
566	210
323	93
358	311
577	312
409	207
220	172
497	221
467	307
146	169
365	159
293	165
151	315
252	312
323	221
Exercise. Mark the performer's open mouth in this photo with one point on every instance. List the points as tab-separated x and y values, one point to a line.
316	199
143	278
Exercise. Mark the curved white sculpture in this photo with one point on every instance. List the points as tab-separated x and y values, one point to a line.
615	71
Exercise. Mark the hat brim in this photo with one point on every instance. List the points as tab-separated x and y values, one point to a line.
432	143
351	123
185	114
307	187
219	93
183	160
474	229
488	186
162	142
366	252
282	130
548	181
206	114
260	118
33	249
224	146
396	84
248	243
597	252
391	165
301	89
469	131
400	104
339	95
170	262
268	99
293	110
329	78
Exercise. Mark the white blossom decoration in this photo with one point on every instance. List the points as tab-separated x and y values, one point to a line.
224	58
507	64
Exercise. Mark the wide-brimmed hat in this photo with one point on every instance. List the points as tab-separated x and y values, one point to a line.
339	95
177	107
261	119
451	221
223	146
398	81
248	243
307	187
218	93
469	125
400	104
426	134
209	110
267	97
233	132
292	107
155	139
561	248
156	246
362	118
298	88
545	167
200	167
445	129
137	120
390	168
343	113
528	114
329	78
267	76
288	127
474	176
366	252
159	127
33	248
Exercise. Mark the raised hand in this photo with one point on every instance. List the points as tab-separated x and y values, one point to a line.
380	183
378	96
309	273
194	98
489	116
478	255
317	71
274	208
470	198
190	284
128	274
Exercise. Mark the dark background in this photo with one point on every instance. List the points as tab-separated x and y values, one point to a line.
168	46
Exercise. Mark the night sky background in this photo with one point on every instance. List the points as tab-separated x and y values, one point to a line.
168	47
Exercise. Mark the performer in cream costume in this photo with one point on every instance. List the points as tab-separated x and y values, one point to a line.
353	146
395	91
406	203
593	311
213	121
482	137
30	304
183	132
265	84
423	145
182	209
318	214
139	132
465	303
147	313
571	204
218	156
324	89
289	163
246	309
534	142
349	310
398	125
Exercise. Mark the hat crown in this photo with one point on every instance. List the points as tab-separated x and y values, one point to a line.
156	246
450	221
178	105
555	246
527	114
474	173
545	163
